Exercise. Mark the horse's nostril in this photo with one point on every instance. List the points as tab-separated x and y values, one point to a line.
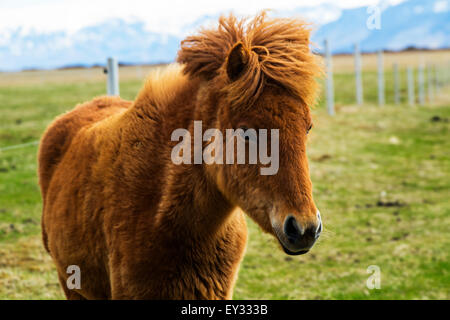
292	230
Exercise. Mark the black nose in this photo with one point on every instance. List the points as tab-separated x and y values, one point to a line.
300	238
292	230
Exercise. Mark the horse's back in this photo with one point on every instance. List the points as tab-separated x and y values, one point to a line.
60	133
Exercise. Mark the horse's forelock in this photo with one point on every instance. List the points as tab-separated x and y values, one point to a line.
278	50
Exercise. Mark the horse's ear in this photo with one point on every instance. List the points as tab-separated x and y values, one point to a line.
237	61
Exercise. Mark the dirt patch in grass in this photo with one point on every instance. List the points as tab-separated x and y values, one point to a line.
396	203
438	119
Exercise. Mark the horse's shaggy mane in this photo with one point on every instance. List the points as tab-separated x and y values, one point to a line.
277	49
162	85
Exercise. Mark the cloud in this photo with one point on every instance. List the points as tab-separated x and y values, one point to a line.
162	16
440	6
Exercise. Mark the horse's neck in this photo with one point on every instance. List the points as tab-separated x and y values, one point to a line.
191	205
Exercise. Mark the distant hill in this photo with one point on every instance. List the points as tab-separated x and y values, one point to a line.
414	23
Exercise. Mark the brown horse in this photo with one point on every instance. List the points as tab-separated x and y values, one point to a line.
139	226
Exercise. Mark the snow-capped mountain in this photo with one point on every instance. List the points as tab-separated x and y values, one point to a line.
128	42
418	23
414	23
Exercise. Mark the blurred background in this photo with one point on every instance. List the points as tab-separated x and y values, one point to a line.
379	151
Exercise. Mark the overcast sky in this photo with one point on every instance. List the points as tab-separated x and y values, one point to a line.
159	15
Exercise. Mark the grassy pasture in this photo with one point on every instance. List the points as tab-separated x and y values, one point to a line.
381	179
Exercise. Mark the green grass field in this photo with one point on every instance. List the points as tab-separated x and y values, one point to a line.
381	180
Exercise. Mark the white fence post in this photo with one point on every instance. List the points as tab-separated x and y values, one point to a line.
358	76
421	85
381	99
112	86
329	80
447	73
396	84
430	84
411	95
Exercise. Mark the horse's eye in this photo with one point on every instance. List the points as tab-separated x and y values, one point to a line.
247	134
309	129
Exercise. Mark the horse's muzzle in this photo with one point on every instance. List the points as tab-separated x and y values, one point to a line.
297	239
